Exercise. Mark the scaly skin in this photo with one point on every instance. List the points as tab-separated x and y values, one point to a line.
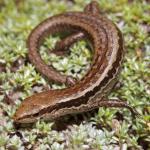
92	90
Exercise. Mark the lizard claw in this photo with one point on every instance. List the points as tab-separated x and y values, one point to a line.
70	81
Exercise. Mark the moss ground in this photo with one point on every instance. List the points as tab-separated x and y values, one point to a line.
105	129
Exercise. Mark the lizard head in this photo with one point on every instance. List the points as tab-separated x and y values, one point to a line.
32	108
27	112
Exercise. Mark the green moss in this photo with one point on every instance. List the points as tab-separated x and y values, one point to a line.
105	130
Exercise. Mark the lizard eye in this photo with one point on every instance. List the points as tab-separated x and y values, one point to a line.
36	114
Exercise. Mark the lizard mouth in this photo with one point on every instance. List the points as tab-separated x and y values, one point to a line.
25	119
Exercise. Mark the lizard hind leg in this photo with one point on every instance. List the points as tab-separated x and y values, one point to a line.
92	7
62	47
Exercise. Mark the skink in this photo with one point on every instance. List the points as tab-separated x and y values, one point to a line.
91	91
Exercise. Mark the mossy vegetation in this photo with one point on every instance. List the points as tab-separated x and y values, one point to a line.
106	129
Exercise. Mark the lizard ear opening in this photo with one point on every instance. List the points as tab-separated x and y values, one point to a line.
92	7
